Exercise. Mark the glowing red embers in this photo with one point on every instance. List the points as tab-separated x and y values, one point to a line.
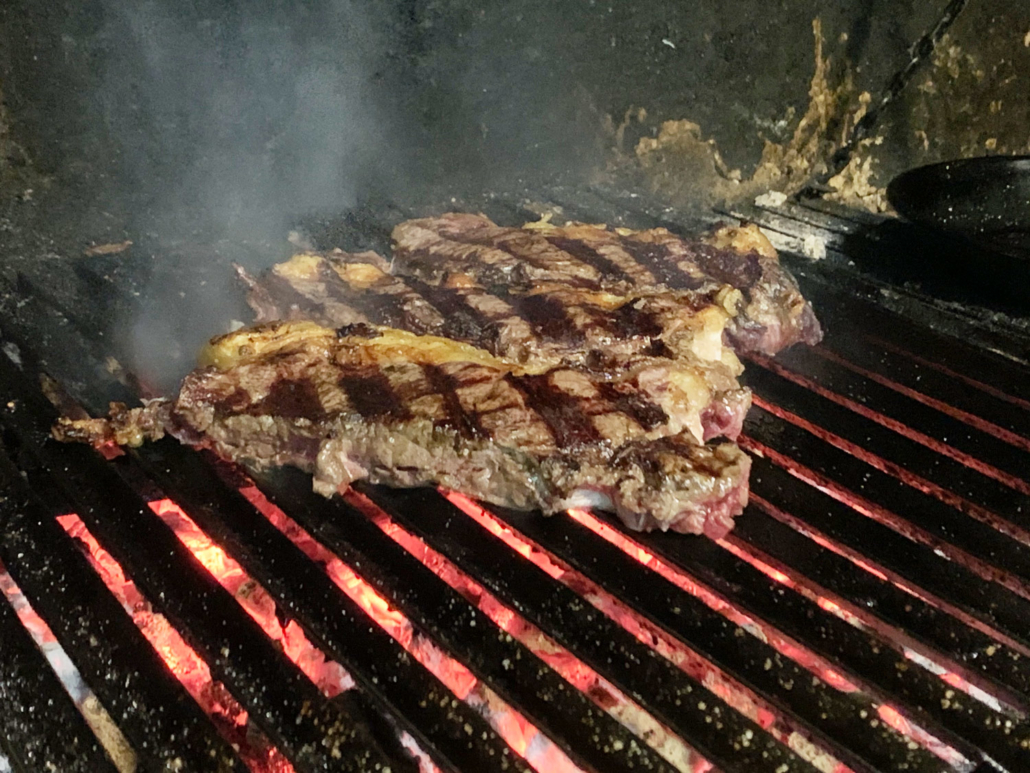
800	655
330	676
516	730
682	581
733	693
940	446
604	694
897	471
193	673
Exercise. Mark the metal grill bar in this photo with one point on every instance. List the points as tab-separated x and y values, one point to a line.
315	733
518	675
943	478
920	695
909	619
39	724
561	613
918	565
919	445
839	716
969	378
158	717
381	665
941	432
920	515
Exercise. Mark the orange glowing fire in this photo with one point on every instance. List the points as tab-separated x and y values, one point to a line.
572	669
193	673
889	714
734	694
516	730
231	718
918	593
330	676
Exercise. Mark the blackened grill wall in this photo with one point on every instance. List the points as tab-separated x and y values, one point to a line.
472	91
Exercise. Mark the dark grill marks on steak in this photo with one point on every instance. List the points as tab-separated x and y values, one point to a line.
533	442
548	317
494	242
424	263
527	249
512	258
292	399
382	308
371	394
466	424
645	413
774	316
462	321
742	270
552	326
571	426
657	259
584	253
626	328
633	320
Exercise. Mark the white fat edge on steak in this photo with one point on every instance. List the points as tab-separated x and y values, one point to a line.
386	346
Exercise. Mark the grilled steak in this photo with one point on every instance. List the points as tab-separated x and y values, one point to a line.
406	410
768	315
591	331
550	326
540	367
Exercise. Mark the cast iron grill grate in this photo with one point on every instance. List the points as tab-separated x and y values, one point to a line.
868	613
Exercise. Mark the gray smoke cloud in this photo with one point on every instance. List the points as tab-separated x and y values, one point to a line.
233	119
230	122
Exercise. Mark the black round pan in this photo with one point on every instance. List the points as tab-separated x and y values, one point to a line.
967	238
985	199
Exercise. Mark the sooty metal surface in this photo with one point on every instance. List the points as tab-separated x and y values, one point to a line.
868	612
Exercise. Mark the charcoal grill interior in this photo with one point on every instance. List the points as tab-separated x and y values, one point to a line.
867	613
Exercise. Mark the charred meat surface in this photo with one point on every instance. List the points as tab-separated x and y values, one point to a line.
662	348
550	326
405	410
735	268
540	367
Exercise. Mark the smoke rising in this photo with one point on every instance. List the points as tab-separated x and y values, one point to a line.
232	120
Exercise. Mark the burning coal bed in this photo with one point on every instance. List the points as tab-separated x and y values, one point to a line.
529	742
232	720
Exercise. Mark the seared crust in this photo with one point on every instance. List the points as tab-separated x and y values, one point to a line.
540	367
772	313
399	409
549	326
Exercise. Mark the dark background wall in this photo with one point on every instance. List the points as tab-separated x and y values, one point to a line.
431	87
235	108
